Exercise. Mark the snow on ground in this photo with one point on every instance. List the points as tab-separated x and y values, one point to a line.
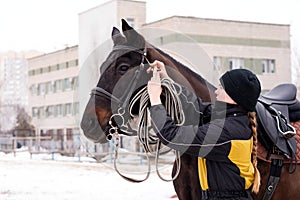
40	178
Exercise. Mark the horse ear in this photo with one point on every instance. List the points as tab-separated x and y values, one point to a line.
133	37
125	25
117	36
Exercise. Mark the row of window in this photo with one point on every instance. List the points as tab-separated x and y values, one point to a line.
55	86
59	110
56	67
258	66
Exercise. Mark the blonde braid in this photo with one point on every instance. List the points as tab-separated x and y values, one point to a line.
256	184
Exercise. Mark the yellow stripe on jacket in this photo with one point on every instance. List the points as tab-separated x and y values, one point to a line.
240	155
202	173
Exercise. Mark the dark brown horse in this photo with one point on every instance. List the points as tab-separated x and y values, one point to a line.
123	73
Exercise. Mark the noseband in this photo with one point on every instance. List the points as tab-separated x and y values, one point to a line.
123	101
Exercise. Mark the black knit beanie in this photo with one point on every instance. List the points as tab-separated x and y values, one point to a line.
242	86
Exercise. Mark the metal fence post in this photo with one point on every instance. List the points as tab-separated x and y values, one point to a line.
52	147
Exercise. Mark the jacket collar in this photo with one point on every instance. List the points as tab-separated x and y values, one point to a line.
222	109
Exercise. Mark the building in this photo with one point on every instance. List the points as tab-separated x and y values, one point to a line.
53	84
232	44
14	78
220	44
217	45
95	27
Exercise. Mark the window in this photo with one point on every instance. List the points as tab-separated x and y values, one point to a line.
31	73
68	109
50	111
62	66
268	66
75	83
37	71
50	86
217	63
69	134
58	86
42	88
35	112
236	63
59	110
53	68
72	63
68	83
45	70
42	112
76	108
34	89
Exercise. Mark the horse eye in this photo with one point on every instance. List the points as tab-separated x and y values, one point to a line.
123	68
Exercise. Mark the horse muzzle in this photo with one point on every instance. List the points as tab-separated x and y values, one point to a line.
90	124
92	130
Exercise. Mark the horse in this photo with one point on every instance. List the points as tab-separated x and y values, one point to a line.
125	64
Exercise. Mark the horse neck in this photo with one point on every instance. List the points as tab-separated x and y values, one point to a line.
186	76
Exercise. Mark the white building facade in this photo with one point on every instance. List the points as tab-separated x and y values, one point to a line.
53	84
14	78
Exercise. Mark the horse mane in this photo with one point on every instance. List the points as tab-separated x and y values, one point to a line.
193	76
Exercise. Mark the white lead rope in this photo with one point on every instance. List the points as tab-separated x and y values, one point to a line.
174	108
148	139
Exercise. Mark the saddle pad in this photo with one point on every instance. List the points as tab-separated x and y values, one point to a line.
262	152
297	137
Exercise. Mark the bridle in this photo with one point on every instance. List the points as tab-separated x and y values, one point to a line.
123	101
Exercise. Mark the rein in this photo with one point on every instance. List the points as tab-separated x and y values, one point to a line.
146	139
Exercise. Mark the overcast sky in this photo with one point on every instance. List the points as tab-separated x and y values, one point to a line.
48	25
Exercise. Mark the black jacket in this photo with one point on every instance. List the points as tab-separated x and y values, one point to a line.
223	144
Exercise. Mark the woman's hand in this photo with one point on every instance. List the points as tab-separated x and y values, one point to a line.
154	88
161	69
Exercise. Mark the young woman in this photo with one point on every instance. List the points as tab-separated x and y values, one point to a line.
226	144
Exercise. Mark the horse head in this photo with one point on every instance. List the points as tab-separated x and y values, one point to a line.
121	74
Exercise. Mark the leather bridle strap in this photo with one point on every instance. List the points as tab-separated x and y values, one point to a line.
97	91
123	101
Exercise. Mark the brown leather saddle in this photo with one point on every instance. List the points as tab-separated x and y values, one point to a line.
275	110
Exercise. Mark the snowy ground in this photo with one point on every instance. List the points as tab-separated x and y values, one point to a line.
41	178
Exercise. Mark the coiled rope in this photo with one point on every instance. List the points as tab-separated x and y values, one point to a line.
171	91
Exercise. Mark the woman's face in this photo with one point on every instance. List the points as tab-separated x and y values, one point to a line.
221	95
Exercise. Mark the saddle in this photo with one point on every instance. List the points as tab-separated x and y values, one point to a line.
278	124
275	110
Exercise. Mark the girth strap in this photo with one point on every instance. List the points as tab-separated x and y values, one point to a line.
275	172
